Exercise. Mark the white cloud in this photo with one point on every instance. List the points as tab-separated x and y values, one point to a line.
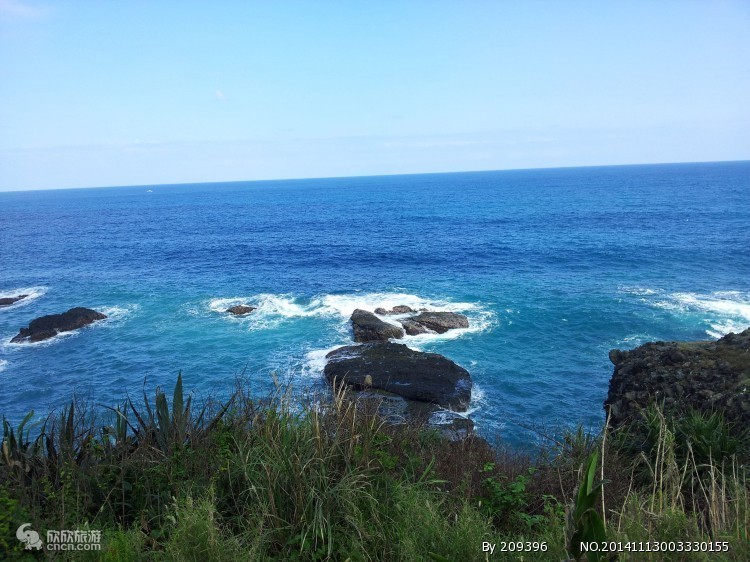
220	95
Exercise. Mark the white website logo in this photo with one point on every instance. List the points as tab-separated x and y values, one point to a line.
60	540
30	538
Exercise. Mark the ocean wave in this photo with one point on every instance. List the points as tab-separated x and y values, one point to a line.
723	311
32	293
273	309
285	305
3	365
480	319
315	361
7	345
115	313
345	304
639	291
270	310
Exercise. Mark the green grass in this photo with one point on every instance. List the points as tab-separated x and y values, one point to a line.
271	479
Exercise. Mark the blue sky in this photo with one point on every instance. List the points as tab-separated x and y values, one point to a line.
138	92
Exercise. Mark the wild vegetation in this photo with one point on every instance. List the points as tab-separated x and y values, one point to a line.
270	479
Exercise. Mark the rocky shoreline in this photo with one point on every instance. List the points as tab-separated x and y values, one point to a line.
707	376
411	385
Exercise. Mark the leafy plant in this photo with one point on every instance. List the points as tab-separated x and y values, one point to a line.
584	523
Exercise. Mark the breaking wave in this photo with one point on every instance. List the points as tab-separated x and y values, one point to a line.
32	293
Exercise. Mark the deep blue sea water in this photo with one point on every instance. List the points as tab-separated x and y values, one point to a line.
553	267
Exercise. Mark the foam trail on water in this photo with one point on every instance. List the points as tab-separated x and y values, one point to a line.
315	361
8	346
722	311
287	306
639	291
3	365
272	310
344	305
115	313
32	293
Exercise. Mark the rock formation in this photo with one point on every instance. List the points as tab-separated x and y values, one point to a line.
50	325
7	301
399	309
704	375
414	375
368	327
440	322
241	309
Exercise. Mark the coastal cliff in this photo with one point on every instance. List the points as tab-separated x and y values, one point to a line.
707	376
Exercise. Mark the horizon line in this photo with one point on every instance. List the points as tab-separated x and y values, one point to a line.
119	186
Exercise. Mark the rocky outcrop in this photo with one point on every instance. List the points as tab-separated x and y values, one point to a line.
399	309
241	309
52	324
440	322
7	301
393	367
396	410
414	328
368	327
707	376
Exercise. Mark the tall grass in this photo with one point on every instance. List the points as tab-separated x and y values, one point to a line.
328	479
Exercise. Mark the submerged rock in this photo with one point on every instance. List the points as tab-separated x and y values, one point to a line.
241	309
414	375
399	309
396	410
415	328
368	327
703	375
7	301
440	322
49	326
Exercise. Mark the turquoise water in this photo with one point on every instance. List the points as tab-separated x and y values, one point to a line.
553	267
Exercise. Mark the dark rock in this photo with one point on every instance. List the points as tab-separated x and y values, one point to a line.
426	377
440	322
399	309
52	324
414	328
7	301
368	327
703	375
240	309
396	410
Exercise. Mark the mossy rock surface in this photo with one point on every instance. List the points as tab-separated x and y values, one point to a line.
707	376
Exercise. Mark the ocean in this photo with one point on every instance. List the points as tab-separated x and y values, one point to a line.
553	267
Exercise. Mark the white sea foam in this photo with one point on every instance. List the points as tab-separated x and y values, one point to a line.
286	306
343	305
272	310
723	311
116	313
315	361
32	293
9	346
3	365
634	340
640	291
728	303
